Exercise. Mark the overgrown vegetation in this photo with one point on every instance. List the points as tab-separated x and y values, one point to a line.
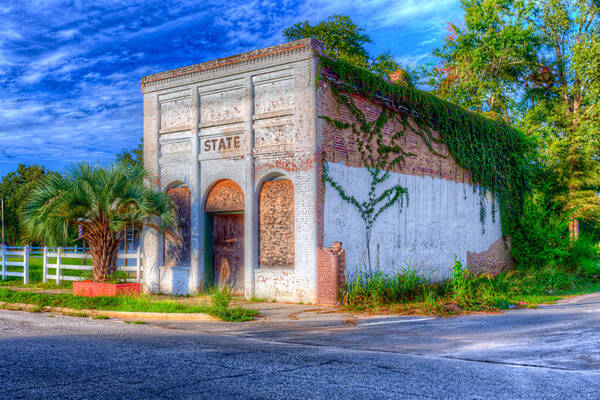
515	67
494	152
464	292
536	65
220	307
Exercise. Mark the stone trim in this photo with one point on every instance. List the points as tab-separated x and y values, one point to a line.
251	57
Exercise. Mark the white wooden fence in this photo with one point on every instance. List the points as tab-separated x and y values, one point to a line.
23	256
15	253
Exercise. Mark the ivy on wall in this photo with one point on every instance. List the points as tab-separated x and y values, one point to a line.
378	158
494	152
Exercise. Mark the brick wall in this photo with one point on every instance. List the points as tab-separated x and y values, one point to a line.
276	224
341	146
494	260
424	227
331	264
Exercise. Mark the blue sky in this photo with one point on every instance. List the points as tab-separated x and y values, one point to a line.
70	70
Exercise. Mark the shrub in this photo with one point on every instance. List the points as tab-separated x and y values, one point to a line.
583	256
542	236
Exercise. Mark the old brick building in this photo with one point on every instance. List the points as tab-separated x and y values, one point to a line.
239	145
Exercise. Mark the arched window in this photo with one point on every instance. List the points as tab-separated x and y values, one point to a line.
177	245
276	224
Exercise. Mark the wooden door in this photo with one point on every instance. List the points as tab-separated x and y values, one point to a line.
228	250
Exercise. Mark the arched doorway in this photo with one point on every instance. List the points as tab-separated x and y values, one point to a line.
276	224
225	236
177	244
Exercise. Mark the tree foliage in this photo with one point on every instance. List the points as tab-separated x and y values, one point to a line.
99	201
344	40
536	64
496	154
15	189
132	155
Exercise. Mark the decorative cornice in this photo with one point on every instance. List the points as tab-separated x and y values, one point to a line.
285	49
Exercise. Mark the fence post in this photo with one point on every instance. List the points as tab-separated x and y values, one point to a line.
58	264
138	264
45	265
3	261
26	265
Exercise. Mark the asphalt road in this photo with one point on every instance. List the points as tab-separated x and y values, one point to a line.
549	353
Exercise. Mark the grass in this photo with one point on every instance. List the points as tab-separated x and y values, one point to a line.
406	293
255	299
219	308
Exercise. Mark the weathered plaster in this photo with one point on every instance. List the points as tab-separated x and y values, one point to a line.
441	220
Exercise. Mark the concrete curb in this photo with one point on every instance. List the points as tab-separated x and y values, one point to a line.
134	315
159	316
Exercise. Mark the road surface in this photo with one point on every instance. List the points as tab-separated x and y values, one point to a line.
549	353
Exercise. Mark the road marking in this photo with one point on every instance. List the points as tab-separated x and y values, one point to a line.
395	322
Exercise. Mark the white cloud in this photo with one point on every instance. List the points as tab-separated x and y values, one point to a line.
413	60
67	34
70	72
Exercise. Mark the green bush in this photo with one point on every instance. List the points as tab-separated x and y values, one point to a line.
542	236
583	256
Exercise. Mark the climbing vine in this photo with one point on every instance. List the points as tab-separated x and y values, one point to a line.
378	158
494	152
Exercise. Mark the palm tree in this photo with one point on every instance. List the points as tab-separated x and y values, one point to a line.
99	202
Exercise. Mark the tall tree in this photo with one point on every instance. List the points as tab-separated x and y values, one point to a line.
535	64
14	189
341	38
344	40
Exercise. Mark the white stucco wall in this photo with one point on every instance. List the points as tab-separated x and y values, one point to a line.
442	219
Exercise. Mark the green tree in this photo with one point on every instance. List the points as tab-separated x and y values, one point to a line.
344	40
100	202
132	155
341	38
14	189
536	64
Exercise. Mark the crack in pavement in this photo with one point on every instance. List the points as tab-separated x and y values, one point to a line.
381	351
517	364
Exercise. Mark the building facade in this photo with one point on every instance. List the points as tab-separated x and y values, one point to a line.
241	147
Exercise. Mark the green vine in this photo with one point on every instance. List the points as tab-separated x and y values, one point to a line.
378	158
494	152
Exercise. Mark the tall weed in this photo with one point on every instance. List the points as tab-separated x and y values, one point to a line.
376	289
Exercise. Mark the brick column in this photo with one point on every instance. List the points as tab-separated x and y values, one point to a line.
331	266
